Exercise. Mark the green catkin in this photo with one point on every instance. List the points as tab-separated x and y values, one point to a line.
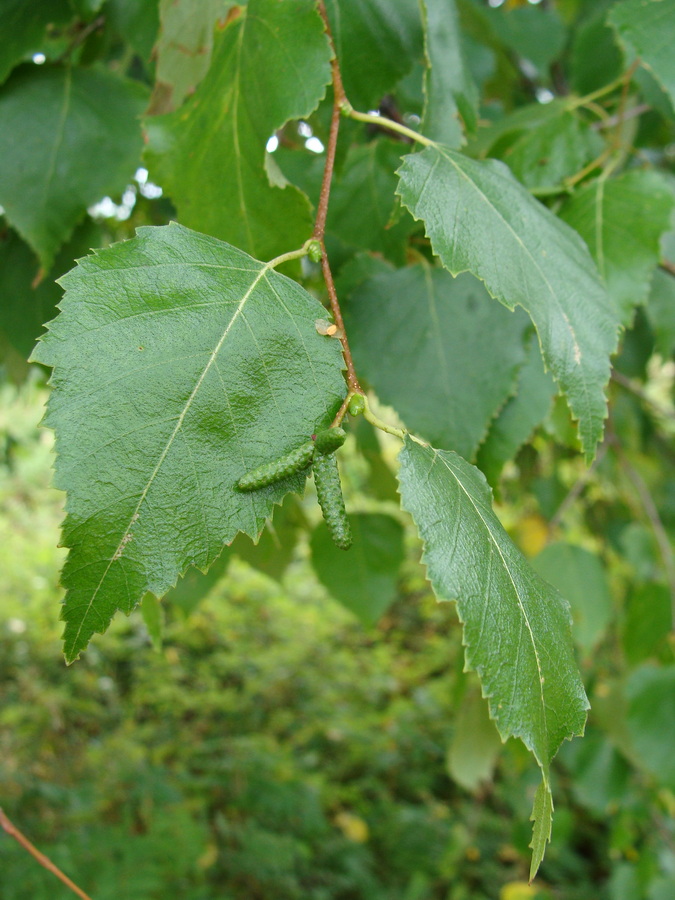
331	501
289	464
329	440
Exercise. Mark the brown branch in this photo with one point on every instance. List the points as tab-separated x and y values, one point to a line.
14	832
620	379
322	208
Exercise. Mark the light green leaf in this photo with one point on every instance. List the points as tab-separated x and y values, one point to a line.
364	579
475	744
270	64
451	98
437	349
481	220
377	42
580	577
183	48
67	138
180	363
516	627
651	721
622	220
519	416
645	28
542	816
153	616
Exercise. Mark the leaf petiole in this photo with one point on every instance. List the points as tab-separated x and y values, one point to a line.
383	122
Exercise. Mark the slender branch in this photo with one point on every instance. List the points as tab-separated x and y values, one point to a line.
44	861
618	118
601	92
322	210
82	36
370	416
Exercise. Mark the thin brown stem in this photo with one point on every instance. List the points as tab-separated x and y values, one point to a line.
322	210
44	861
667	266
628	385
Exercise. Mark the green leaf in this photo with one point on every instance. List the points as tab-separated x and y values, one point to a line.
542	816
180	363
23	28
364	579
28	297
475	744
183	48
595	58
67	138
377	42
481	220
451	97
362	200
580	577
209	155
421	338
645	29
661	312
542	144
194	585
651	721
516	627
153	616
534	33
274	551
622	220
519	416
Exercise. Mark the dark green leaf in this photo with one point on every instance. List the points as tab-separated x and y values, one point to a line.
153	616
580	577
519	416
23	28
622	220
451	98
481	220
362	200
645	28
376	42
67	138
270	64
180	363
595	58
274	551
136	22
516	627
437	349
183	48
542	144
28	297
364	580
534	33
